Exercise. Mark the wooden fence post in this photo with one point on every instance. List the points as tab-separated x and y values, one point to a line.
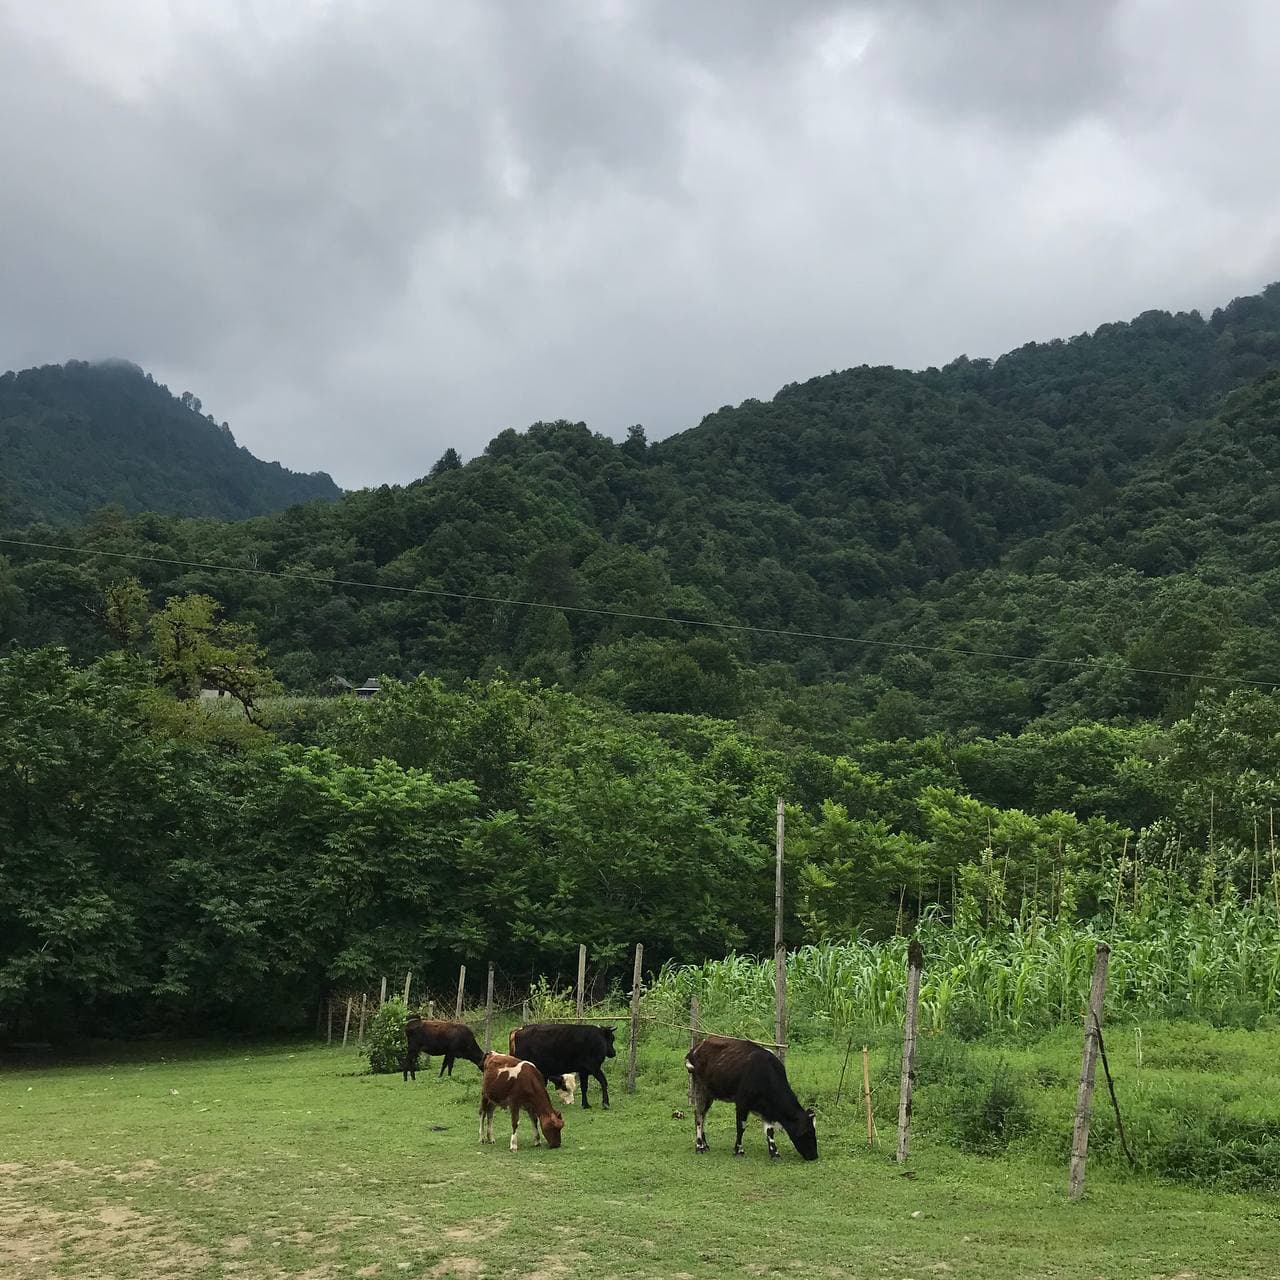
364	1004
462	983
329	1036
382	995
408	981
866	1095
431	1010
635	1018
915	962
488	1013
779	947
524	1013
693	1035
346	1022
1089	1064
582	977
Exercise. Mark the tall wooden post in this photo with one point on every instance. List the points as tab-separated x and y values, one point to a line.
488	1012
364	1005
382	995
1084	1095
915	963
582	977
408	981
346	1022
329	1036
866	1095
635	1018
431	1010
779	946
524	1013
462	983
693	1035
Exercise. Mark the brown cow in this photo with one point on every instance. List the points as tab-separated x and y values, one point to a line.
519	1086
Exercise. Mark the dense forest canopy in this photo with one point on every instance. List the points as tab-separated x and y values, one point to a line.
1001	633
80	436
1097	512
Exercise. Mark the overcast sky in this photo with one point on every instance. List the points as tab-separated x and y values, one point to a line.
365	230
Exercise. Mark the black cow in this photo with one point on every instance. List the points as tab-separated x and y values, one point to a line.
453	1039
558	1048
749	1076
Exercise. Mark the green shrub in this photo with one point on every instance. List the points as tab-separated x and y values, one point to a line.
985	1112
385	1046
546	1004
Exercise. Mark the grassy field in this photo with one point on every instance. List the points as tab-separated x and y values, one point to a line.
282	1161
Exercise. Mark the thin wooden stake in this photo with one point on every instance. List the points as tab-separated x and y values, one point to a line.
866	1095
1088	1066
329	1037
346	1022
382	995
524	1014
431	1010
488	1012
635	1018
364	1004
779	945
1275	883
462	983
408	980
915	962
693	1035
582	978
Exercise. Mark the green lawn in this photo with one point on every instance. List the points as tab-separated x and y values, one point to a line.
279	1161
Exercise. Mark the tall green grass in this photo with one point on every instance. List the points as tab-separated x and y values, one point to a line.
1216	961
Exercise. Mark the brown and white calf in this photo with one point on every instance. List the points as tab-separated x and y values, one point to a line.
749	1076
519	1086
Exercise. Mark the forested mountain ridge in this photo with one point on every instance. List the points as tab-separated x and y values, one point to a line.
1082	505
80	436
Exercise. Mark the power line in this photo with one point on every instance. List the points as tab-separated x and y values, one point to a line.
440	593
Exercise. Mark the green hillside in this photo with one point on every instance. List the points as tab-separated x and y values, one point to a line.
80	436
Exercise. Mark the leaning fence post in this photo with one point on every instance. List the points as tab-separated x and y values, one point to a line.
488	1013
408	981
693	1035
382	995
364	1004
635	1018
1088	1065
462	983
915	962
582	977
346	1022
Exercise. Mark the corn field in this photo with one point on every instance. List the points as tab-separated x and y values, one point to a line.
1220	962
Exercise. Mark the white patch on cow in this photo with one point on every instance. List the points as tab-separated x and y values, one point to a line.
512	1073
688	1065
515	1146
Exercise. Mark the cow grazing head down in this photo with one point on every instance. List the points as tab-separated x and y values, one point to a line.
551	1126
804	1135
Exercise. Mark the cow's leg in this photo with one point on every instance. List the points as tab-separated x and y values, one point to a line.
701	1105
515	1122
583	1077
743	1113
537	1132
486	1121
604	1087
410	1065
446	1062
768	1137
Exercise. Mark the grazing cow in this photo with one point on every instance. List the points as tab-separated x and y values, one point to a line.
749	1076
452	1039
519	1086
559	1048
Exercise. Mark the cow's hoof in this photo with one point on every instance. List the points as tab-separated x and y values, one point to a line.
775	1155
701	1148
604	1106
739	1152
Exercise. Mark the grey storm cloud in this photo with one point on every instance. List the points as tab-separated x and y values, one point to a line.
364	231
